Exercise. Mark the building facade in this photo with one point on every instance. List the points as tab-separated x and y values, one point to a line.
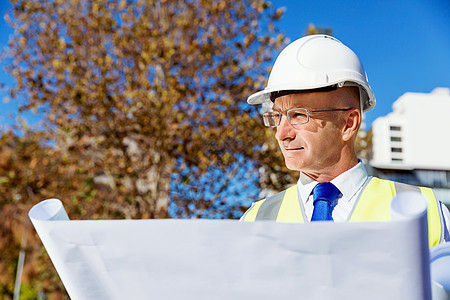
412	144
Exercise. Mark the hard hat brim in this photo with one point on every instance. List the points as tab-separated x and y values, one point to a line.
367	97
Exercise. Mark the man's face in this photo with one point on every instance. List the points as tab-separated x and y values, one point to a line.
317	146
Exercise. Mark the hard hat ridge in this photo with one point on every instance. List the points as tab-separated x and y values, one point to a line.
313	63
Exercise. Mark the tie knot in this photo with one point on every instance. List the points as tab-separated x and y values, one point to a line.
325	191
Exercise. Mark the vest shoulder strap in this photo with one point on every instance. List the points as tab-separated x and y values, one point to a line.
291	211
283	207
375	200
265	209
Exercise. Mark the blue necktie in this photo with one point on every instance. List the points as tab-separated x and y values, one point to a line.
324	194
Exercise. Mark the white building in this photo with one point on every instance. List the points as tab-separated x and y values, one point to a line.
412	144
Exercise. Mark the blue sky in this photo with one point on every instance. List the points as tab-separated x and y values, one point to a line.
404	45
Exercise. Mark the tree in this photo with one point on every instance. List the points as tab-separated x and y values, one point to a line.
140	90
143	104
27	166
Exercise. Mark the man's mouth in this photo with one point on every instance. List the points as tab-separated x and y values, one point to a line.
294	148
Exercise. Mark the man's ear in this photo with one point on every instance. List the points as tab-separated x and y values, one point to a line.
352	121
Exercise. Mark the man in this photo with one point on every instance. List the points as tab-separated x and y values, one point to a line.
319	89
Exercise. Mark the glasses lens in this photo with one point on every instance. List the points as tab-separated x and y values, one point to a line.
297	116
271	119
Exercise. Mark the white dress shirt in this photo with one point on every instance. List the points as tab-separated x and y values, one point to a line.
350	183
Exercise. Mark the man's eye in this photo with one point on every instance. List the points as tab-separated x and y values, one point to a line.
275	114
297	115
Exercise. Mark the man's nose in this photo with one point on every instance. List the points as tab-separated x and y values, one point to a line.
284	130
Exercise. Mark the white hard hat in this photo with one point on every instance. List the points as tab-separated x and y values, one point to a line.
316	62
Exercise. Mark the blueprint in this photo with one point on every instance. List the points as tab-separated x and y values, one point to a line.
227	259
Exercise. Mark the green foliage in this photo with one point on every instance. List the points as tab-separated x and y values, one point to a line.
27	292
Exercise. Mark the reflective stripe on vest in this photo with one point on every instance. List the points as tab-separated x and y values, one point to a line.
373	205
375	201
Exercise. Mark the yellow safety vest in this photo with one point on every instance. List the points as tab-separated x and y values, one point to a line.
373	204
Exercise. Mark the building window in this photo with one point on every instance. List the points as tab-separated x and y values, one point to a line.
396	139
396	128
397	159
397	150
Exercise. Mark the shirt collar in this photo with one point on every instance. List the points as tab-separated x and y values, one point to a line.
349	183
305	185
